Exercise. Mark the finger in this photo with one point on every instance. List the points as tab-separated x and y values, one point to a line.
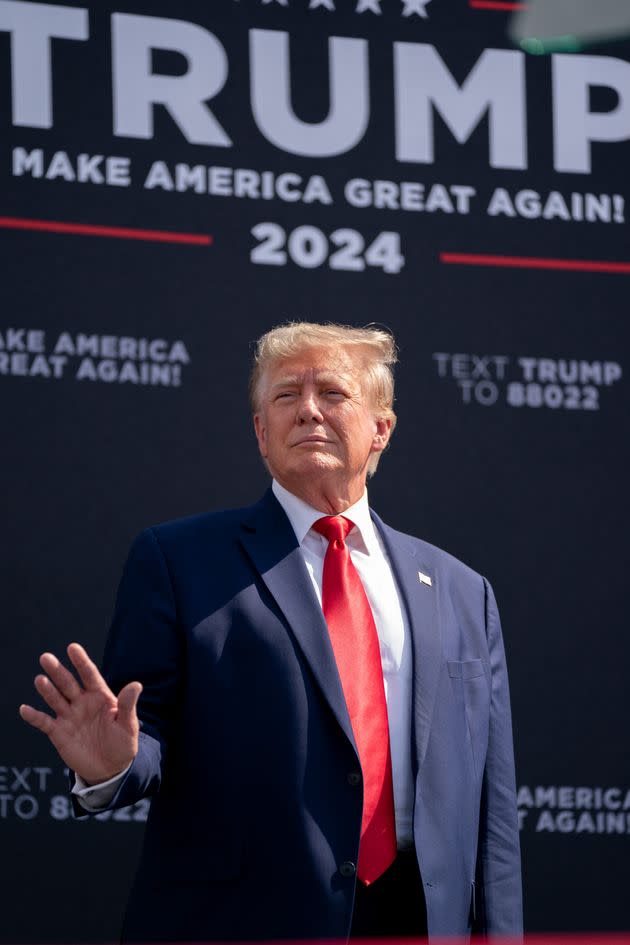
37	719
62	678
87	670
127	702
51	695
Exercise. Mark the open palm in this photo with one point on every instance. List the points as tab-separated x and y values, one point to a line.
94	731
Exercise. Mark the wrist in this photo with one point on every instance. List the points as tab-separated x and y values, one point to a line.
95	779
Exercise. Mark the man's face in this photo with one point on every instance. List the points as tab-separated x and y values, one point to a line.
316	420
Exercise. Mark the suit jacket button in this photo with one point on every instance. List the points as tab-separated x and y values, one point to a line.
354	778
347	869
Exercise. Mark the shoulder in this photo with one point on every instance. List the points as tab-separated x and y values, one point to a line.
435	561
189	534
462	591
198	526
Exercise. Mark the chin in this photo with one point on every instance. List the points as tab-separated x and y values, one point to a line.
316	463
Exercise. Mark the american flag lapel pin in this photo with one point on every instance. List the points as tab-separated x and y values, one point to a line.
425	579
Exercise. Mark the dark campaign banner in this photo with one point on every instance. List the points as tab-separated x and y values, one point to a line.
178	177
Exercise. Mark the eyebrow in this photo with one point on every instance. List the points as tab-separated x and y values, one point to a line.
294	380
291	380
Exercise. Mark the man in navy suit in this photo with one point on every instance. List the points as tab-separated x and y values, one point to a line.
235	710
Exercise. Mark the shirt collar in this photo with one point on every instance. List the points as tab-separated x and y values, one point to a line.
302	516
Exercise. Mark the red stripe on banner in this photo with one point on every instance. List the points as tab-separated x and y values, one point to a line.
533	262
113	232
495	5
537	938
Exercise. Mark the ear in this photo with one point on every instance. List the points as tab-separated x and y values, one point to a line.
261	434
382	434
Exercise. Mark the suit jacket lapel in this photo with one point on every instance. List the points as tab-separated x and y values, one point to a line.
270	543
421	602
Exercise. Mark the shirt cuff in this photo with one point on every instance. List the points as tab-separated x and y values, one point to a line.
97	797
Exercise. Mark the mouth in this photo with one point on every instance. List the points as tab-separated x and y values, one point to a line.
312	439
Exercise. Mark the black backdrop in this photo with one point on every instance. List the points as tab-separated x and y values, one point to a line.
510	308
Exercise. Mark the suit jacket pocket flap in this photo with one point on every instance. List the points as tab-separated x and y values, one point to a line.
465	669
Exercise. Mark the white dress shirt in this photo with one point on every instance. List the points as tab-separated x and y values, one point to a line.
368	556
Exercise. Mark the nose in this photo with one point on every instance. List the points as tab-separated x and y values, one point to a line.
308	409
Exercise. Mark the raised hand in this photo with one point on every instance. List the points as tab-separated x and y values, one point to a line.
95	732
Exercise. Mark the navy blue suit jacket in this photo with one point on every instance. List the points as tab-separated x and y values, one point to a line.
246	745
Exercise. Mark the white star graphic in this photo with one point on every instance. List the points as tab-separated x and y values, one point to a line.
374	6
416	6
283	3
313	4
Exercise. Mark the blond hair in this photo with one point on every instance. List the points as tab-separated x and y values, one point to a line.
376	346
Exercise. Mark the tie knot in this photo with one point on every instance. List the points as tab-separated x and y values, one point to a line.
333	527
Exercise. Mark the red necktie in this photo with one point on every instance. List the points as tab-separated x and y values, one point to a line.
355	644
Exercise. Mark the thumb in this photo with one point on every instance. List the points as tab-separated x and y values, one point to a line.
127	702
